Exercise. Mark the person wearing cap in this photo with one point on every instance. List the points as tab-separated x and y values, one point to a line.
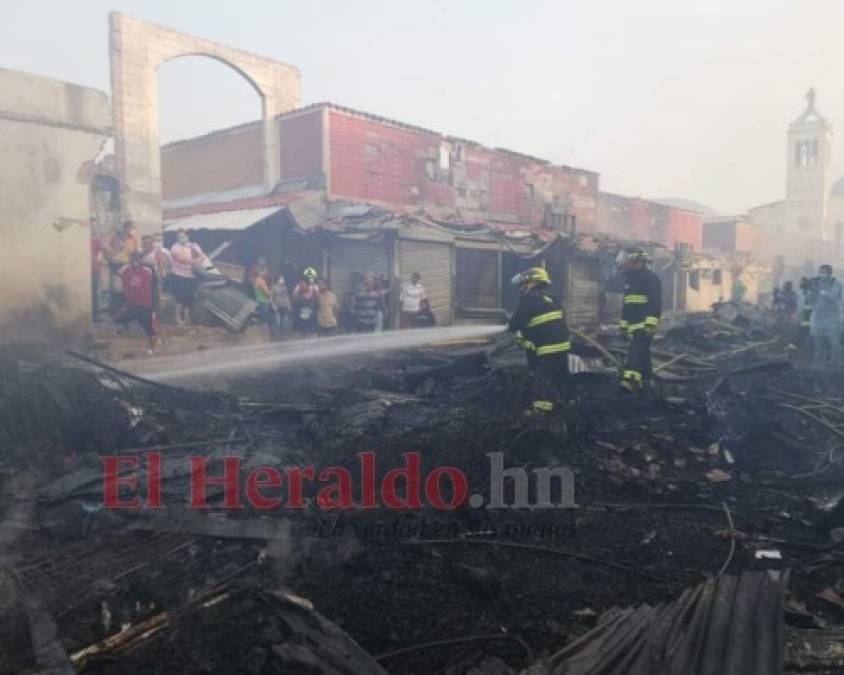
641	311
140	292
305	303
541	330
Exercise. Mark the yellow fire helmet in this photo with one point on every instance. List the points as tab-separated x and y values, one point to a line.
535	275
310	274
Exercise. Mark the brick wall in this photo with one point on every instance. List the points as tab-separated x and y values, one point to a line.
219	161
634	218
376	160
681	227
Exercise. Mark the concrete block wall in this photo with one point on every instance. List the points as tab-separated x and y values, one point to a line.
736	236
302	151
221	160
137	49
233	158
50	133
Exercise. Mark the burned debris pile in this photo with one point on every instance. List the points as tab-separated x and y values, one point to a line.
725	480
245	630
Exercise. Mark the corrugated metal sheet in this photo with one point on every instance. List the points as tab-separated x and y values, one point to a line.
726	626
226	303
212	205
222	220
583	296
613	303
435	262
349	259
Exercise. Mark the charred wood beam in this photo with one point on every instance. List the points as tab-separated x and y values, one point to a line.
123	373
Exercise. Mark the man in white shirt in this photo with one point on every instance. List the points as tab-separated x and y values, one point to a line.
412	295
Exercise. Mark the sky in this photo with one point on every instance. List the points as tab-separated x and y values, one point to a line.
664	98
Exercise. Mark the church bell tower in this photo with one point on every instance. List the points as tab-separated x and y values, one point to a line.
808	176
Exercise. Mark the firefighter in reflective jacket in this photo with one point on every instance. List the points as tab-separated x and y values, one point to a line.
640	314
540	327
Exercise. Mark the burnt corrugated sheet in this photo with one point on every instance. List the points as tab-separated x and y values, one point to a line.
726	626
613	302
226	303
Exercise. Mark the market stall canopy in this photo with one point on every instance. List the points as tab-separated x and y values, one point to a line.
223	220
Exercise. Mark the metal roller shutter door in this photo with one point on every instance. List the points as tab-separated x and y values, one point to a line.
348	259
584	296
434	261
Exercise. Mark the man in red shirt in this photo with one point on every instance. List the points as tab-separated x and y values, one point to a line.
140	290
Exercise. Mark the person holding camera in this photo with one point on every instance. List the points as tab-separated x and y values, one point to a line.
825	322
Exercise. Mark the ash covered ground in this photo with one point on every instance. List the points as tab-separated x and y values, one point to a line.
733	464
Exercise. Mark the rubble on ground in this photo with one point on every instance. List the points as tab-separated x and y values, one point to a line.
733	467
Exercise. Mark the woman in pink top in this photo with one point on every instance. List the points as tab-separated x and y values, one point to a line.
183	255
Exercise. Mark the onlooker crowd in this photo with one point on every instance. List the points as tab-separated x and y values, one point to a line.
137	272
819	315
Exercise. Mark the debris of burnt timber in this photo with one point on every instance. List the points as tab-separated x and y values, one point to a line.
707	508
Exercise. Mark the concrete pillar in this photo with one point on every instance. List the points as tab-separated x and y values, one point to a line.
137	49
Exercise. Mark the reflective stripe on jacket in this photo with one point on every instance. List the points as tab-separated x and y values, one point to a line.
540	323
642	303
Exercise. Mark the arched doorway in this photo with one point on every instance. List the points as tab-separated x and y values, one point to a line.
210	126
137	50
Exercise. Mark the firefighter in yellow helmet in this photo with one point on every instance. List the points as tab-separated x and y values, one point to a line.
541	330
640	314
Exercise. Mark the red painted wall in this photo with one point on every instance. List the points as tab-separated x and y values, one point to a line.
372	159
633	218
376	162
682	227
